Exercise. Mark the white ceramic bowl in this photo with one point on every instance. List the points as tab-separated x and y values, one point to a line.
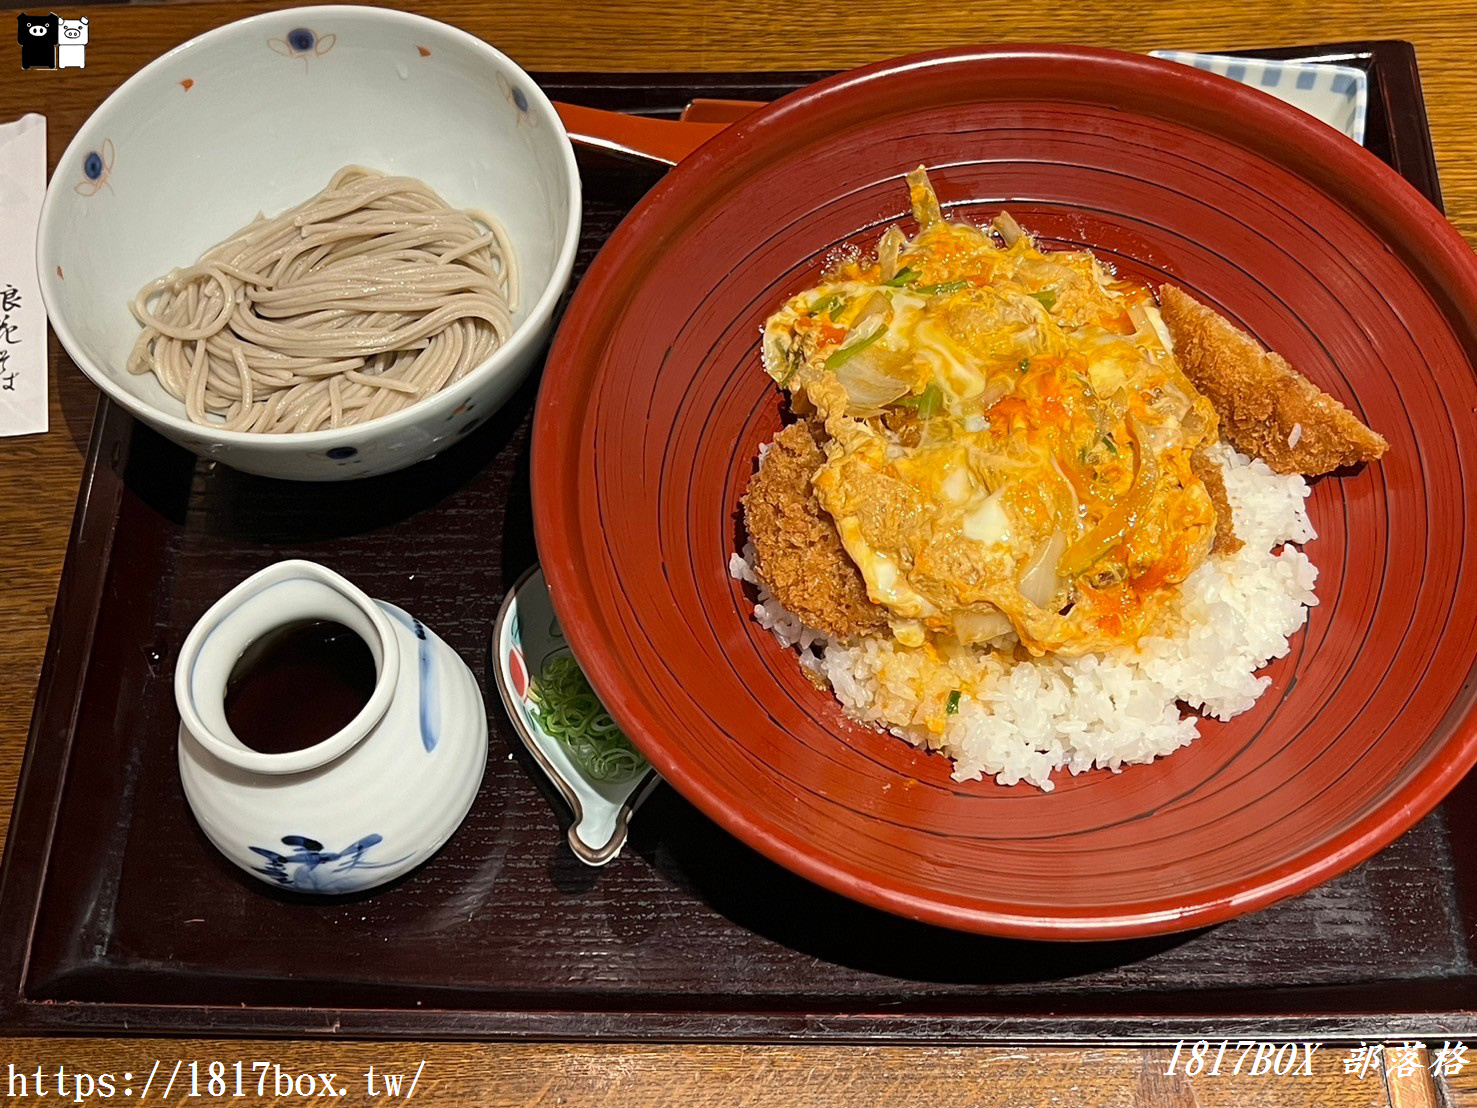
255	117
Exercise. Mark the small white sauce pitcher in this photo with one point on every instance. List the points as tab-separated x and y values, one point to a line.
365	805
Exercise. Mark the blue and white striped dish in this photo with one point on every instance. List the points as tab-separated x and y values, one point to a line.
1336	94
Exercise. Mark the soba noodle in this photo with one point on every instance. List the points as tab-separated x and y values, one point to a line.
363	300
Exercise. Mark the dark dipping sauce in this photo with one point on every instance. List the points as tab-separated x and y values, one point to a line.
297	685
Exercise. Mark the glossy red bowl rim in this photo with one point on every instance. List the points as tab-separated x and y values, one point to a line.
556	517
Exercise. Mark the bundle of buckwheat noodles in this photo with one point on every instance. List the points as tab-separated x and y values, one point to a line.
359	302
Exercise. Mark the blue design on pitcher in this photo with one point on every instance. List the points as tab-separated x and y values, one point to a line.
430	703
310	868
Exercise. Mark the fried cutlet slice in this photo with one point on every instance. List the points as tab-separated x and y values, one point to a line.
1202	465
1267	408
798	553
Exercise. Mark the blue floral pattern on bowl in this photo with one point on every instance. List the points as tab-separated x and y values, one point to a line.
519	99
304	43
97	167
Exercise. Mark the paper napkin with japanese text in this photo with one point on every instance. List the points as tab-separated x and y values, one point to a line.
22	315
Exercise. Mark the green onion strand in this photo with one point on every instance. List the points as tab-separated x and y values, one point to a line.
843	355
568	709
941	289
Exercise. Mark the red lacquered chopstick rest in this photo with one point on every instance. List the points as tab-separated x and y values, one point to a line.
662	140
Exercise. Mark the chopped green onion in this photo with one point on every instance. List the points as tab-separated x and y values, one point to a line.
1108	442
940	290
1046	298
953	705
904	275
928	402
1025	365
568	709
827	305
840	357
796	361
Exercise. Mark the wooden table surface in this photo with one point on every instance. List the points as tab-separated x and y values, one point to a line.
39	477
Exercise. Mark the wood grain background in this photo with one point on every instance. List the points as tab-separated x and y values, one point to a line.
39	477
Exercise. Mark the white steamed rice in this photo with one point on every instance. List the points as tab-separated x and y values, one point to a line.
1023	720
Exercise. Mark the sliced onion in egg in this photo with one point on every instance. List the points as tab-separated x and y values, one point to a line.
1039	582
887	251
1009	229
977	626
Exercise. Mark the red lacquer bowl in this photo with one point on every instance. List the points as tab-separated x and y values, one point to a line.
654	405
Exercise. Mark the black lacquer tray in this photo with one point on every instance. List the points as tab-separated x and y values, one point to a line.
116	915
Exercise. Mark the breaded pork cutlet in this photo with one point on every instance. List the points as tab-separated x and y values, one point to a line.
1213	478
798	553
1267	408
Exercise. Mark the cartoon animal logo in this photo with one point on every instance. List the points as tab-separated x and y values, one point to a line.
301	42
71	48
37	35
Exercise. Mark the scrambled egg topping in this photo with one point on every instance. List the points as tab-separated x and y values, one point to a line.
1009	435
